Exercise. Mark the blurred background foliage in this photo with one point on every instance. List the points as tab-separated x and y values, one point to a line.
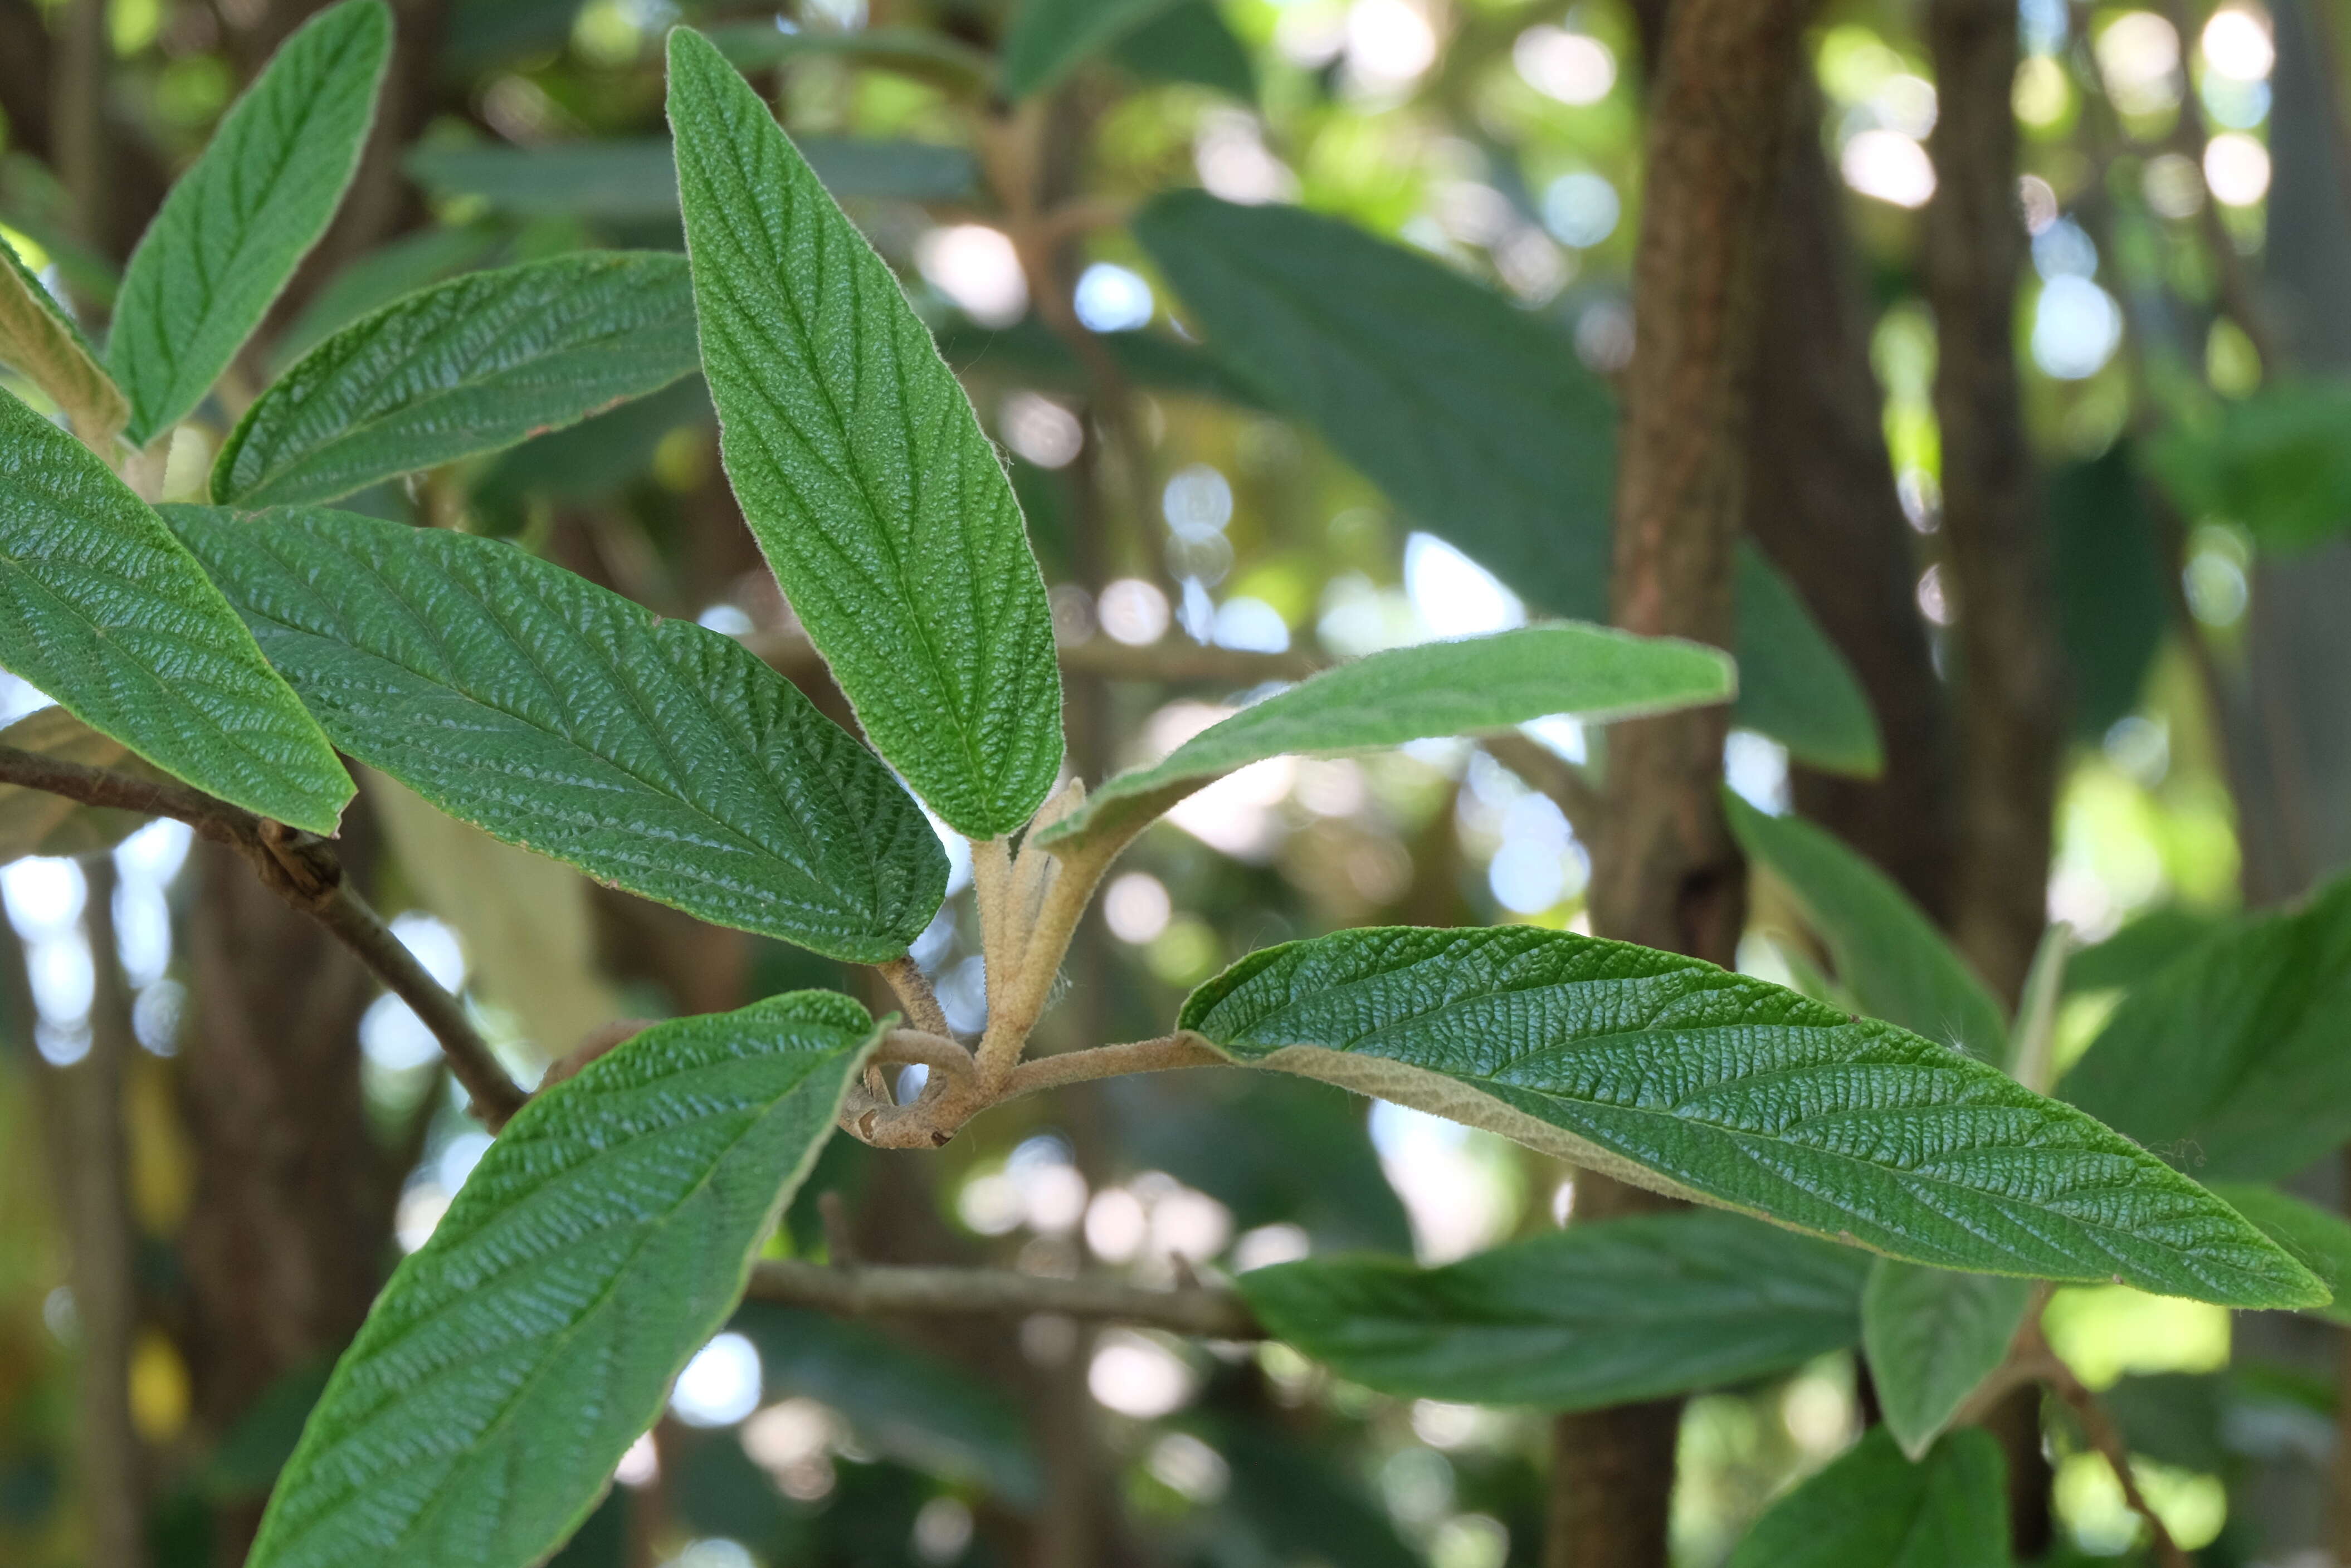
284	1133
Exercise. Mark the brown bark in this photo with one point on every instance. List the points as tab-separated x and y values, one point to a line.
1821	501
1666	873
81	1107
2010	670
289	1231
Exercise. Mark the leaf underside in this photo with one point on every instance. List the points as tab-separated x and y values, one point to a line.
1932	1336
1478	684
655	755
101	608
883	510
1671	1073
1598	1315
598	1244
40	340
470	366
36	823
233	228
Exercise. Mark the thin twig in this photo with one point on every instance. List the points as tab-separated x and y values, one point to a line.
302	869
2098	1426
1164	1054
863	1290
913	988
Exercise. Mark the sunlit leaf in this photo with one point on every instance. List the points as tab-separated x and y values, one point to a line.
1478	420
236	224
42	341
553	713
598	1244
1671	1073
1933	1336
2231	1061
1888	954
1473	686
861	470
1597	1315
103	609
469	366
1871	1506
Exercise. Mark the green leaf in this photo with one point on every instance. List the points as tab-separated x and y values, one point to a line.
1479	422
1671	1073
1871	1507
1189	42
1473	686
1888	954
2275	463
1932	1337
2107	573
373	281
2231	1061
36	823
1050	38
101	608
234	226
2146	947
1597	1315
916	52
635	179
1795	686
40	340
884	512
651	754
598	1244
899	1402
472	365
2320	1237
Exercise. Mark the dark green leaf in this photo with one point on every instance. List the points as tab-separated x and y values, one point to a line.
2320	1237
1597	1315
102	610
236	224
469	366
863	473
2275	463
597	456
1473	686
899	1402
2230	1063
1029	350
1048	38
1888	954
1874	1509
36	823
651	754
376	279
1794	685
1478	420
603	1239
635	180
1673	1074
2143	950
1300	1505
2113	604
1188	41
1932	1337
41	340
917	52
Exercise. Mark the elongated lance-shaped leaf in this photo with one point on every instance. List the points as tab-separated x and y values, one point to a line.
1673	1074
470	366
655	755
1887	953
1594	1315
36	823
1933	1336
103	609
1048	38
886	513
234	226
2320	1237
598	1244
40	340
1873	1506
1479	423
1475	685
2231	1060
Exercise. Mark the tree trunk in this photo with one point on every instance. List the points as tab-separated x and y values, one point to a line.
1666	872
